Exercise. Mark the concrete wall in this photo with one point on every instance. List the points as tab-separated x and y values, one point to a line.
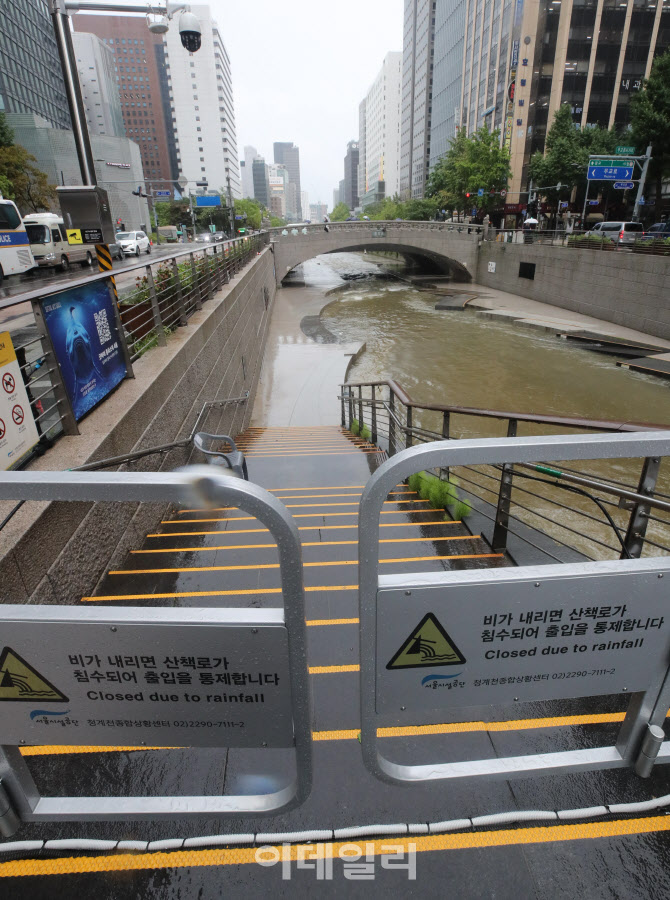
58	552
618	286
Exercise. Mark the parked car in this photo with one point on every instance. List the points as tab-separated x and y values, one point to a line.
620	233
133	242
116	251
657	231
205	237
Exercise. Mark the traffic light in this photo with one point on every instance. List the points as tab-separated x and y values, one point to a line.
138	192
468	196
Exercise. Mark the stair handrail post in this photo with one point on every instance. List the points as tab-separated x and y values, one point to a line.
373	417
408	433
639	516
350	395
360	407
342	416
444	472
500	530
391	422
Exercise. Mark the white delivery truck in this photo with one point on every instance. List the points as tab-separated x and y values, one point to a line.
48	241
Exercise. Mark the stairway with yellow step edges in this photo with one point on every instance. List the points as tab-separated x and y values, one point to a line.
225	557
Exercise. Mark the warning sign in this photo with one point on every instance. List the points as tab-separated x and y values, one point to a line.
20	681
74	236
428	645
18	432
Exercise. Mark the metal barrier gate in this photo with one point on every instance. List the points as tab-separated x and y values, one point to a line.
435	641
44	648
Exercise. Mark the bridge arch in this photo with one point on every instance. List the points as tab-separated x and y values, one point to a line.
443	248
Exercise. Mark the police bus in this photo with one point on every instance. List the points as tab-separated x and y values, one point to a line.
15	253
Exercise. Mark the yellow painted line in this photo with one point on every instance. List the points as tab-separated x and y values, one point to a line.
353	733
243	592
60	749
288	506
458	537
469	727
163	534
331	670
293	455
335	562
293	497
236	856
313	622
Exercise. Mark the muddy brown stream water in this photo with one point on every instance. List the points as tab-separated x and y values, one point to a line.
465	358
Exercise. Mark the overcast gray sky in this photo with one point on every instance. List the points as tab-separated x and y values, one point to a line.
300	69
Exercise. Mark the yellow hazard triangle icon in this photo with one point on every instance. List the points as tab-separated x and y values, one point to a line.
428	645
19	681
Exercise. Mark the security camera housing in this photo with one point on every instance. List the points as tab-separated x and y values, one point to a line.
190	32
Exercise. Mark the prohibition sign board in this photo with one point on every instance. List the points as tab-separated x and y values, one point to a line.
17	414
18	431
2	429
8	382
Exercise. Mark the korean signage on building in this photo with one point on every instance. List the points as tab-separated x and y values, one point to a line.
83	329
18	432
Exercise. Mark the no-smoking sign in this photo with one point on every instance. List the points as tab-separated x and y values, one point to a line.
2	429
17	414
8	382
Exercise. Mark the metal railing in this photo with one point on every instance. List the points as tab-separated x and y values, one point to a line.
577	240
167	292
601	511
463	228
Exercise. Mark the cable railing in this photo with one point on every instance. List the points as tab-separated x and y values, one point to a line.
166	293
634	242
602	510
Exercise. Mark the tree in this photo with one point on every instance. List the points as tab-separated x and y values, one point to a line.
275	222
29	186
472	163
253	213
650	119
6	133
340	213
566	158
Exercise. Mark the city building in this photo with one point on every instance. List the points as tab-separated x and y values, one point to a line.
511	67
261	181
304	202
351	175
99	89
141	75
278	187
246	174
31	78
336	197
342	193
118	164
379	123
317	211
201	101
417	87
289	155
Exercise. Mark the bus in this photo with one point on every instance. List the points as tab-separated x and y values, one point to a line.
15	253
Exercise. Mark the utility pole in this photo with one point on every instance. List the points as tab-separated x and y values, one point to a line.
640	188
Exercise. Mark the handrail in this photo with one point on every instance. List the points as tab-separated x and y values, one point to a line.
565	421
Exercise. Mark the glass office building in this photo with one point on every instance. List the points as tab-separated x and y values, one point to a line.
31	78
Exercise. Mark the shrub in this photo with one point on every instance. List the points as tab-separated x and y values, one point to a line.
366	434
355	426
440	494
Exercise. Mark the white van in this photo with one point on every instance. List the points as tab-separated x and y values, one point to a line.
48	241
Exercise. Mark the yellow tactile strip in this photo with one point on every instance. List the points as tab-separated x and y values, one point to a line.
235	856
412	540
163	534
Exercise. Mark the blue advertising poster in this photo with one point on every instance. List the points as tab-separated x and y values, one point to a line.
87	344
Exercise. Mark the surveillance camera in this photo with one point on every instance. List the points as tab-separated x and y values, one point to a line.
158	24
190	32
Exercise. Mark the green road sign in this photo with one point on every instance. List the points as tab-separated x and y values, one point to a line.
607	163
624	151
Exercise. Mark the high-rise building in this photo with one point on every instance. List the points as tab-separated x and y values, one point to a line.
317	211
379	121
417	87
304	202
250	154
141	73
336	197
289	155
261	181
201	102
342	193
31	78
278	188
99	89
351	175
511	66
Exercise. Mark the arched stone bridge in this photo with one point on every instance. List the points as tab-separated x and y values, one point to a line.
445	248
